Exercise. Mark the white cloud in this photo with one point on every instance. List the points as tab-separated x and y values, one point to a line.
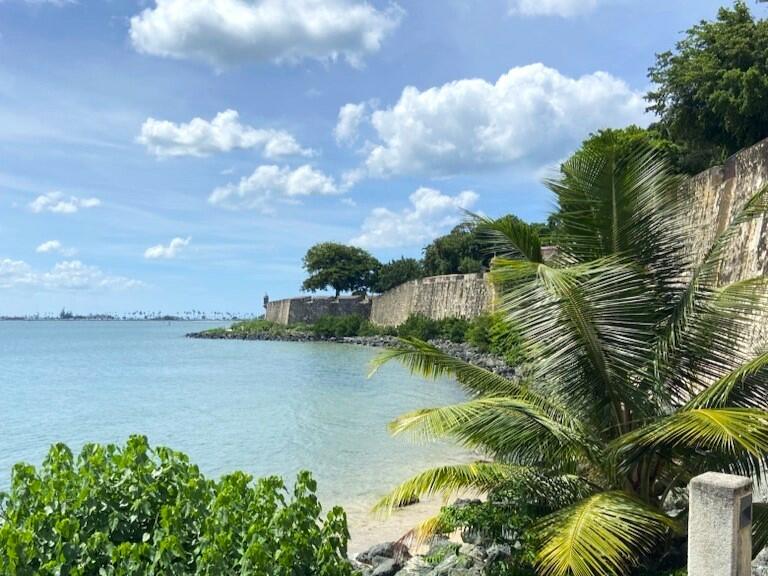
201	137
269	183
66	275
54	246
562	8
531	116
227	32
430	214
350	118
58	203
169	251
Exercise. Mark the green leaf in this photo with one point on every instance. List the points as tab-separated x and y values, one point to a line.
605	534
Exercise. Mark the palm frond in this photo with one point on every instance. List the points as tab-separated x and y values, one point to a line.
510	238
701	287
448	481
719	340
605	534
759	527
513	430
430	362
732	438
588	328
746	387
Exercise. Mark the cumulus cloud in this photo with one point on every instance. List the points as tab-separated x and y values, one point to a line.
270	183
530	116
167	251
350	118
55	247
430	214
562	8
58	203
200	137
66	275
226	32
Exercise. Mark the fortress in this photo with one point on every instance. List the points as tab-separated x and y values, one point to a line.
717	196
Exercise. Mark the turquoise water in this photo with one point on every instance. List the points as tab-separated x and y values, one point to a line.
262	407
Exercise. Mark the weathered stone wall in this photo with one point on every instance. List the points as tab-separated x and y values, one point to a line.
458	295
309	309
719	194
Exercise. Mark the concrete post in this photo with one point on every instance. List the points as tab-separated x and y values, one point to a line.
720	525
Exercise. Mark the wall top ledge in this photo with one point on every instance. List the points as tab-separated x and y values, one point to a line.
721	484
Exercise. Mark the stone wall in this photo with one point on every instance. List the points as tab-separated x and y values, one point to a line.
308	310
458	295
719	194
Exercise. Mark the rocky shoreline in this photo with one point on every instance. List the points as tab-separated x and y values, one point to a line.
444	558
461	350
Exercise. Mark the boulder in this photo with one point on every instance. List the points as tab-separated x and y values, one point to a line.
394	550
387	567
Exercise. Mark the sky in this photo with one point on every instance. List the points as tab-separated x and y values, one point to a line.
174	155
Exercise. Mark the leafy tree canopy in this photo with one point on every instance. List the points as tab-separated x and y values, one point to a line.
458	252
340	267
711	92
138	510
397	272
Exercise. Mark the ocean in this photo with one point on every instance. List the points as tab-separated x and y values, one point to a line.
262	407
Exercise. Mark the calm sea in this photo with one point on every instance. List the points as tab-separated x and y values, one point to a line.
262	407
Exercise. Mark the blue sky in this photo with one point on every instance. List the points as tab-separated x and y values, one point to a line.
183	154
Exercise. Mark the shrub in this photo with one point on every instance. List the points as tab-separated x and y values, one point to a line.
338	326
418	326
493	334
139	510
453	329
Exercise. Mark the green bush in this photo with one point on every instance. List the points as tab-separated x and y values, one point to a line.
258	325
338	326
492	334
418	326
138	510
453	329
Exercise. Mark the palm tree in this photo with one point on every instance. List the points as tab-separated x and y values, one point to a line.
644	368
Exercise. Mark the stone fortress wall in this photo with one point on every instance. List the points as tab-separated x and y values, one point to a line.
310	309
437	297
718	195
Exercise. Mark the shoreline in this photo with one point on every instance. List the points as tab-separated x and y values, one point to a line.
461	350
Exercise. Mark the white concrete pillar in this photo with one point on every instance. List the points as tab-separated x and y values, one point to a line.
720	525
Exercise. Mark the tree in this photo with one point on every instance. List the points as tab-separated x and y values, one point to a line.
139	510
711	92
343	268
459	252
641	372
397	272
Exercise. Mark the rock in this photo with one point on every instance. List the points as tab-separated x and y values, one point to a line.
473	551
389	567
393	550
446	566
441	547
498	552
416	566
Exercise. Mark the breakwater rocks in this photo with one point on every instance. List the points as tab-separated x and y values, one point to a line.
444	558
461	350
